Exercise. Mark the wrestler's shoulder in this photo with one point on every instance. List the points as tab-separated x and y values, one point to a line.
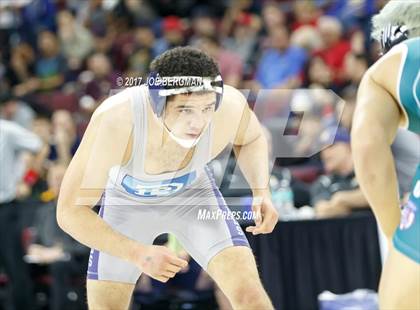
233	100
388	65
116	108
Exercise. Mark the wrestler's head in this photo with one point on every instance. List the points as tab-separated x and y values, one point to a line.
187	113
397	21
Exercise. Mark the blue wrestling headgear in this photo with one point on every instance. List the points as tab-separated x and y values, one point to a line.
393	35
162	87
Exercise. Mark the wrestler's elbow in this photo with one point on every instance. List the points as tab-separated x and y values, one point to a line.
63	213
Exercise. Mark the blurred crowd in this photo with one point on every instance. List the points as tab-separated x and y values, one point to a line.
59	59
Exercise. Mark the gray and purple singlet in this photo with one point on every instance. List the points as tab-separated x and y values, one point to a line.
143	206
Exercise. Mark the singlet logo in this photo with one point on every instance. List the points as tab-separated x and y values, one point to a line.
163	188
408	215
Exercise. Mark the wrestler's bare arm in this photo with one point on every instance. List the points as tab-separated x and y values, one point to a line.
103	146
236	124
251	148
239	126
375	124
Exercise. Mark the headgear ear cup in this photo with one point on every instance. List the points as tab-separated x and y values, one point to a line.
393	35
158	102
218	86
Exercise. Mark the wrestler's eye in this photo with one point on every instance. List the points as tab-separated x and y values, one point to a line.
186	111
208	109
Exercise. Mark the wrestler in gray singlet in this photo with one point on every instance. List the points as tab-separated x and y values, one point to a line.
143	206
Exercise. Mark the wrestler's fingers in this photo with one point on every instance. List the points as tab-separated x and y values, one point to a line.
173	268
168	274
176	261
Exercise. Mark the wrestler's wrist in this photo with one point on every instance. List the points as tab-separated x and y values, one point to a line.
261	192
135	250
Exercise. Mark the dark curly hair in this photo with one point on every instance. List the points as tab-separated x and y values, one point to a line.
185	61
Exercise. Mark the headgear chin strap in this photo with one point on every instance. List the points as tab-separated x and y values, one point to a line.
393	35
162	87
185	143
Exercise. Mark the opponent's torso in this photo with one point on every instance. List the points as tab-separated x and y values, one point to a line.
133	181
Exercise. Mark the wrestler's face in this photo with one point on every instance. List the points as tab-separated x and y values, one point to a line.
188	115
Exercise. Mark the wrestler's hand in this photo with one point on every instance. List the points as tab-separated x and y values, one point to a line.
160	263
266	215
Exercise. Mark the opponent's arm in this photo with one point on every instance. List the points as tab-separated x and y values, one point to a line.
375	124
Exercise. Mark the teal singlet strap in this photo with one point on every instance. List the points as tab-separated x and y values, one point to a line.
409	84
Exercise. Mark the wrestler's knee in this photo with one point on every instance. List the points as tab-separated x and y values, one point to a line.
108	295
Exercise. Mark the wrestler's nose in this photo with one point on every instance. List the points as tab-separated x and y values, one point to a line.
197	122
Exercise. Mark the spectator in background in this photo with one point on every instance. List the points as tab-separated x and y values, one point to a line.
20	67
144	37
42	127
122	39
244	40
355	65
65	257
143	49
273	16
35	16
281	65
14	140
358	43
75	40
137	10
93	15
96	16
318	74
336	192
231	14
305	13
50	67
307	37
203	24
335	48
353	13
173	33
4	83
33	166
13	109
9	21
99	79
230	63
65	138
